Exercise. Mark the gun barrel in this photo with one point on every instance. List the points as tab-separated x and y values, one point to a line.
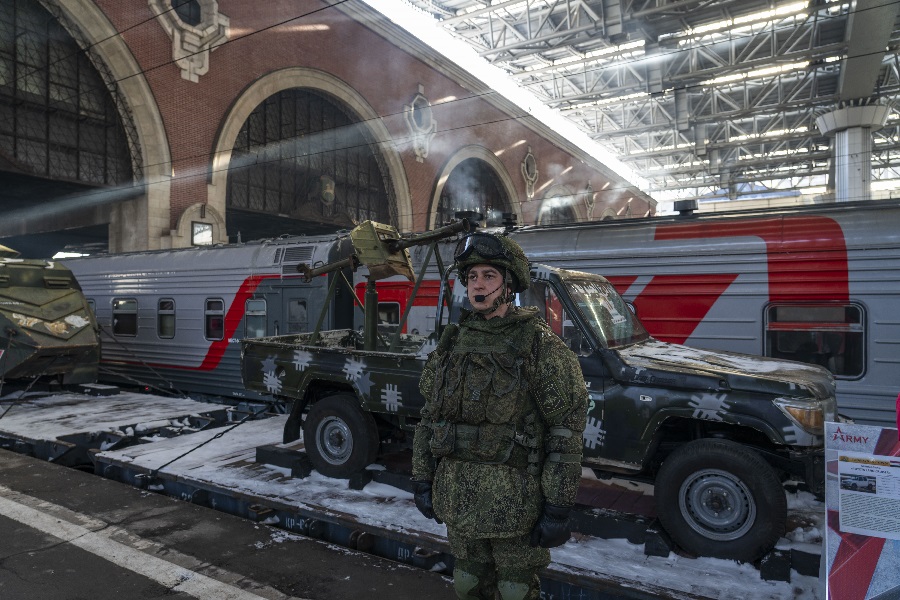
461	226
310	272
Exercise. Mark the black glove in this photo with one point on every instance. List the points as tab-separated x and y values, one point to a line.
552	528
422	496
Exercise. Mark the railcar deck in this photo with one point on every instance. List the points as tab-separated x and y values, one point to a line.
199	452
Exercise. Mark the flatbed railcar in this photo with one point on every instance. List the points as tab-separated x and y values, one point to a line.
172	320
817	284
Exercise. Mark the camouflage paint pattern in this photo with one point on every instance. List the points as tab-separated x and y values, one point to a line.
634	391
384	382
518	384
46	326
499	560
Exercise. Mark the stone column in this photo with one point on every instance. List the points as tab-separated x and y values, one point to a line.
852	128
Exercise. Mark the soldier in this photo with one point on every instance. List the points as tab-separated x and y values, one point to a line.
497	454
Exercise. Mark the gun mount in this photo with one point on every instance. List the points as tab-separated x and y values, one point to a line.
385	253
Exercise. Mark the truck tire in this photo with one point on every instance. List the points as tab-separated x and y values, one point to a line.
340	439
720	499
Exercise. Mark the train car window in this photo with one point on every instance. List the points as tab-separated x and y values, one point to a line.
124	315
388	316
255	318
215	319
297	320
165	318
389	313
830	335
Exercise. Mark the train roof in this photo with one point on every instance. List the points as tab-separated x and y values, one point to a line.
830	209
284	240
267	253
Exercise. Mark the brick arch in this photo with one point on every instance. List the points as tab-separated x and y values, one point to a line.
482	153
142	223
299	77
561	191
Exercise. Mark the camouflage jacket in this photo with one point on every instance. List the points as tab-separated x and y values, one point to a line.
501	430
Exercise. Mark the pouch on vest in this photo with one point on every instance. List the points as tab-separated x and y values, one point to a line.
443	439
486	443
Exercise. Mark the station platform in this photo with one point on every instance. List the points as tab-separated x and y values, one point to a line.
69	534
197	453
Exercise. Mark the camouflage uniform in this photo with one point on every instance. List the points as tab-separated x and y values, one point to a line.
500	439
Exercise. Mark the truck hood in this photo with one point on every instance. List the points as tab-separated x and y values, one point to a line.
739	371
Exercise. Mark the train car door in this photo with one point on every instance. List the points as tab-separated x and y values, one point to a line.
298	310
301	305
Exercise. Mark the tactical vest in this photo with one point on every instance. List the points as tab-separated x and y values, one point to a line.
484	407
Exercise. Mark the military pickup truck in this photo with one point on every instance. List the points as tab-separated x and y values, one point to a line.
717	433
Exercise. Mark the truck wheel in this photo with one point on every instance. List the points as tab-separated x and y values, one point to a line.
340	439
718	498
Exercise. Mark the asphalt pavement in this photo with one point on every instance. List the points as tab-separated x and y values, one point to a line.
69	535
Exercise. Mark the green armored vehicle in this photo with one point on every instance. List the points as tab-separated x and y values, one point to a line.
716	432
46	326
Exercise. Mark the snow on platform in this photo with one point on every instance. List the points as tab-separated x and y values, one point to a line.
55	416
227	462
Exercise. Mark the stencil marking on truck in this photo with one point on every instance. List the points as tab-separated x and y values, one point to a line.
711	407
302	359
594	433
390	397
353	369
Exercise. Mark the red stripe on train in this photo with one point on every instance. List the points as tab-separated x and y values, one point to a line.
806	261
807	256
232	320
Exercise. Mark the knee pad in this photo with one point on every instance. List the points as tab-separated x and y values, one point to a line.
519	584
465	584
513	590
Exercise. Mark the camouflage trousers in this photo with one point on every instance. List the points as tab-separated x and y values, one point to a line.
496	561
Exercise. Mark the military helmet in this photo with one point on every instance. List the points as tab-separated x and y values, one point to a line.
500	251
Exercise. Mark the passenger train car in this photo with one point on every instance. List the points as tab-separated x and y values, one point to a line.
818	284
171	320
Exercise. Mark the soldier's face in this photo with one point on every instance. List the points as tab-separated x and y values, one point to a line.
484	284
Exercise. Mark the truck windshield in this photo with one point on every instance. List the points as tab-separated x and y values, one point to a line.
605	312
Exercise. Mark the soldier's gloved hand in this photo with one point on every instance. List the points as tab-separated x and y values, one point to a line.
552	528
422	496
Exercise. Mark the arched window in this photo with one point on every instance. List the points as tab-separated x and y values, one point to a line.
57	117
302	155
556	210
558	205
473	186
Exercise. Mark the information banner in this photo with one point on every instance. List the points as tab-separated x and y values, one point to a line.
862	500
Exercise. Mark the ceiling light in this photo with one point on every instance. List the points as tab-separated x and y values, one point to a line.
606	101
594	56
764	72
795	9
